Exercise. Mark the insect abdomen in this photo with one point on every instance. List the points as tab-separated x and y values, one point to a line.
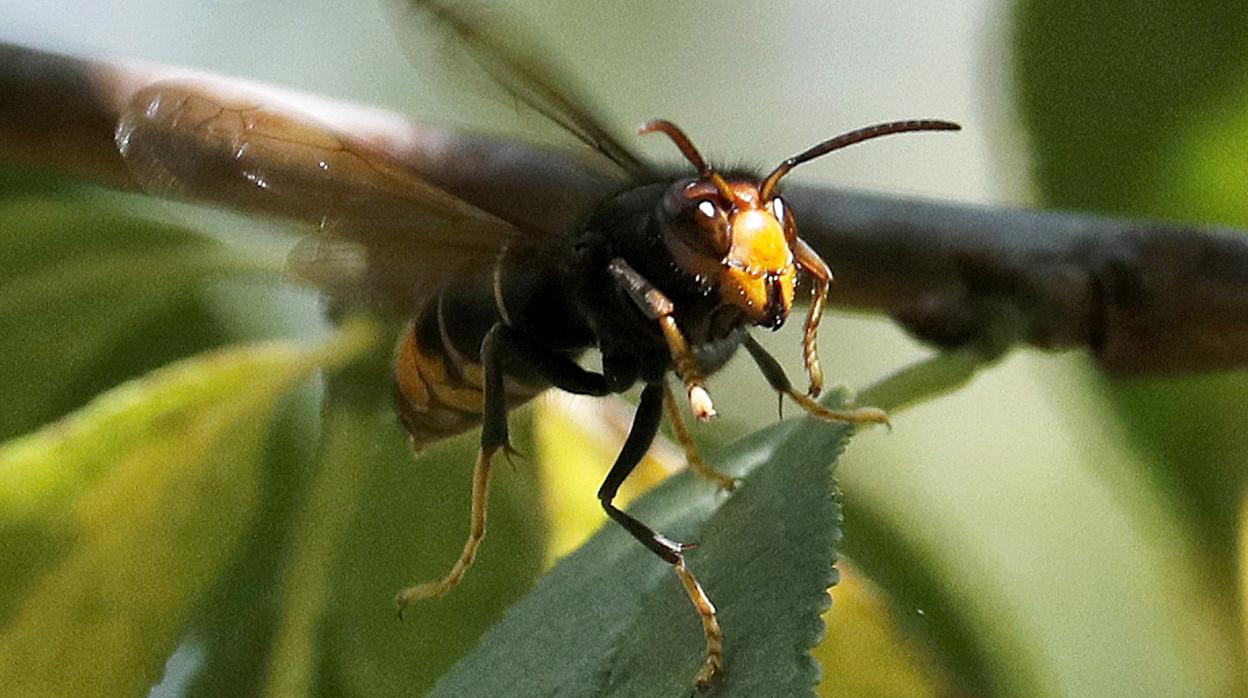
438	369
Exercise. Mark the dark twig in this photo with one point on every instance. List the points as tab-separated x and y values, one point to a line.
1143	298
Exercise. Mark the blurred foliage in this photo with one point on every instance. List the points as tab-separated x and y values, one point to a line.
88	286
161	534
863	628
92	296
1138	109
155	480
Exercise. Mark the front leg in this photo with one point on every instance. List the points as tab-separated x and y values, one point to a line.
774	374
810	261
722	482
640	436
660	308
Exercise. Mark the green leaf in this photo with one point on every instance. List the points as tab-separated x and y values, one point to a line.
319	542
226	646
76	280
145	493
612	619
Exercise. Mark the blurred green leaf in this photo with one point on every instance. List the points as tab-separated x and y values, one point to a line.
77	280
319	538
226	646
97	295
1103	90
155	480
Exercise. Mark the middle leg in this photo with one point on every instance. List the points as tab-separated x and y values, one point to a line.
640	436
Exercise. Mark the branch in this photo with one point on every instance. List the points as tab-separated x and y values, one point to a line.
1143	298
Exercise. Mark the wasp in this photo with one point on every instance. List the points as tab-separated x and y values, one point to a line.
667	276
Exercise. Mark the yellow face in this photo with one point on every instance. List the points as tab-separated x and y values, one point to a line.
758	273
727	233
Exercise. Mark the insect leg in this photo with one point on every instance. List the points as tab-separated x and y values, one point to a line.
774	374
493	438
503	348
640	436
518	351
480	498
809	260
659	307
696	464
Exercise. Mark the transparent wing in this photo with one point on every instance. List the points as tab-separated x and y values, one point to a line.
516	64
379	233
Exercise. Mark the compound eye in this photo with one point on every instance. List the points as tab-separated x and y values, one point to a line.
713	223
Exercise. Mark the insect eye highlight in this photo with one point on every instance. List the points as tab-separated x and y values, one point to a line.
712	224
699	219
784	215
777	208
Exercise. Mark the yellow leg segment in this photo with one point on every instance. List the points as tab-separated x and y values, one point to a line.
687	370
860	415
810	261
810	346
713	665
480	500
692	457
